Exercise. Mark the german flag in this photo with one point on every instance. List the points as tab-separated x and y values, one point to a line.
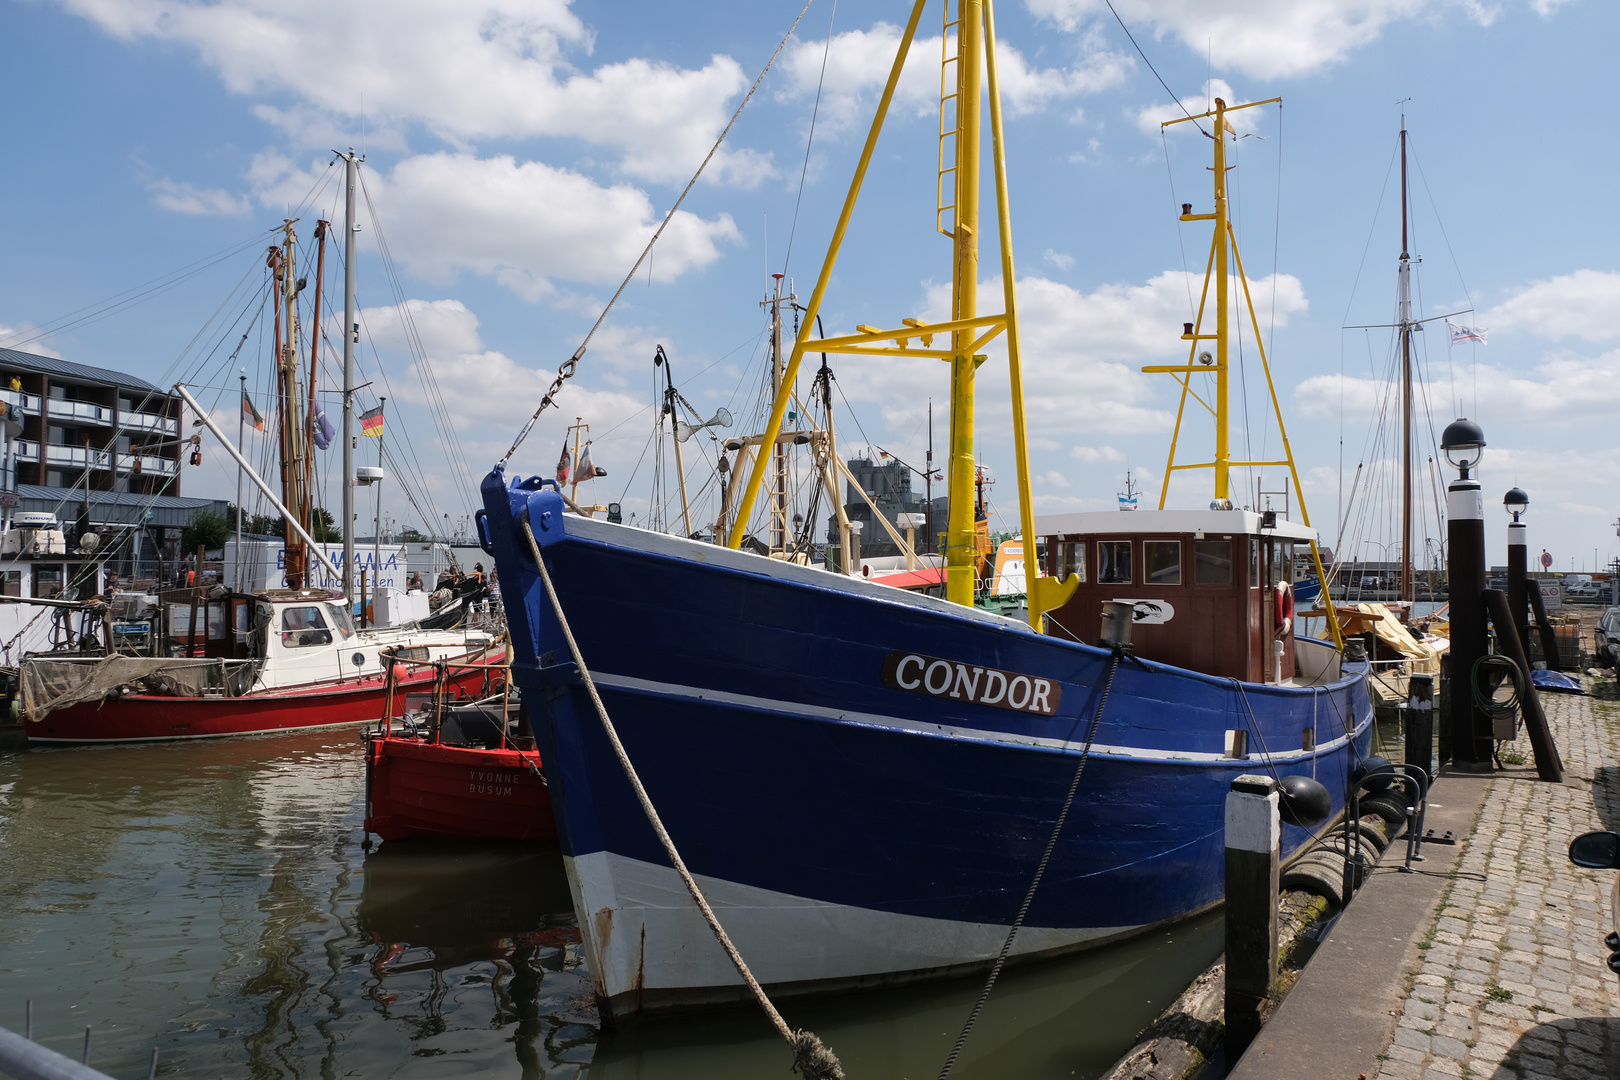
251	413
371	423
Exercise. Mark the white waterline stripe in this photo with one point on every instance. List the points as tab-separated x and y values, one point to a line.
650	686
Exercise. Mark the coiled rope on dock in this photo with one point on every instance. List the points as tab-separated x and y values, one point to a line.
811	1057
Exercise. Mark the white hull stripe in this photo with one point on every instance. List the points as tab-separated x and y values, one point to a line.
642	932
919	727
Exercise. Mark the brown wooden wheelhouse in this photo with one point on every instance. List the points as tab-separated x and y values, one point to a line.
1203	582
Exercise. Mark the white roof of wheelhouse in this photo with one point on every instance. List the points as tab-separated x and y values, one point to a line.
1217	522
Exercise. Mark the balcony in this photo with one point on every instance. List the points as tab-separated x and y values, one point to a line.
83	411
150	466
29	402
75	455
26	451
142	421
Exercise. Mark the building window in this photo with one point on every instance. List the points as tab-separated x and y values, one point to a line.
1114	562
1213	559
1161	562
1071	560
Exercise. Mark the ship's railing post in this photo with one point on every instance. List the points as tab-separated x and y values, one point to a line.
1253	840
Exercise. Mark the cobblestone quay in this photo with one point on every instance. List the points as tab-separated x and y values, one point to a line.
1511	979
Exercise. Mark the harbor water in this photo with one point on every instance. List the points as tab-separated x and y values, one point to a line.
213	900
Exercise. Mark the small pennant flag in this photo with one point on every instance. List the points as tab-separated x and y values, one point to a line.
371	422
1461	333
587	468
251	414
562	465
1127	502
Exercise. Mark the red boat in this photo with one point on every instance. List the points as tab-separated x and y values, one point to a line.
281	660
419	789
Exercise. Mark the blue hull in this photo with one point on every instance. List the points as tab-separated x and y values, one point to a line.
847	831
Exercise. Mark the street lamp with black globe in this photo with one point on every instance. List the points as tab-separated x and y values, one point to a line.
1515	502
1464	444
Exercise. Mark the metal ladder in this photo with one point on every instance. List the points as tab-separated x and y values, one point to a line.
950	92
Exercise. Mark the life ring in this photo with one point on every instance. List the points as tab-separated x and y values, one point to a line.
1284	608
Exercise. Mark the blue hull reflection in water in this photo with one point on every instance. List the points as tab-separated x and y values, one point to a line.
212	900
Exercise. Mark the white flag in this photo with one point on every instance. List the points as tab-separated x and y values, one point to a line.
1461	333
587	468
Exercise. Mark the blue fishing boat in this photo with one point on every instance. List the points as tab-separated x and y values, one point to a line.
864	780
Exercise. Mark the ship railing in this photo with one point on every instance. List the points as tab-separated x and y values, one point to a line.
396	664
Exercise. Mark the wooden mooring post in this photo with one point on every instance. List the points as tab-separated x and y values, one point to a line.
1253	840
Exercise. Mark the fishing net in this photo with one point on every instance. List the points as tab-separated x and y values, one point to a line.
48	685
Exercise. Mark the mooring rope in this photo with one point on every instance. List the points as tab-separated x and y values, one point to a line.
1040	870
811	1058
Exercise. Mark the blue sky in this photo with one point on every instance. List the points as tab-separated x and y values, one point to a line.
519	153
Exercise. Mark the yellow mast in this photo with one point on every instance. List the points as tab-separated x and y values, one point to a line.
1226	261
968	331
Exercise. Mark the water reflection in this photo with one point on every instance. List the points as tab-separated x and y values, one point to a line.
212	899
1067	1018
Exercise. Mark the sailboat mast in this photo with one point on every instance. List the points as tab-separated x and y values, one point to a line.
1222	263
349	334
778	452
314	362
961	546
292	442
1405	320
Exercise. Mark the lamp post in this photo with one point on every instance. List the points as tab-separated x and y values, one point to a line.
1515	502
1464	444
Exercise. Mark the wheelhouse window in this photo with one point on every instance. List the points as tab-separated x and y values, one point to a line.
1114	562
1212	562
1254	564
11	583
341	621
48	582
1161	562
302	627
1071	560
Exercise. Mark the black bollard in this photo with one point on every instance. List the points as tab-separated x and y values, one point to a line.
1419	727
1464	444
1253	839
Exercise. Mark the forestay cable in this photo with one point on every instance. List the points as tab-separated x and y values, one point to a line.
811	1059
566	370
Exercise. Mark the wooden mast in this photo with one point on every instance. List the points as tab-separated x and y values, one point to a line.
293	446
1407	591
314	359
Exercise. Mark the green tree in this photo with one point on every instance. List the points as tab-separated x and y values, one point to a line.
412	535
207	530
323	527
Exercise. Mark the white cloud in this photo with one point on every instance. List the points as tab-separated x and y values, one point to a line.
1150	118
462	71
460	369
1265	39
1561	389
25	337
185	198
1059	259
526	224
1081	352
1584	304
859	62
1093	454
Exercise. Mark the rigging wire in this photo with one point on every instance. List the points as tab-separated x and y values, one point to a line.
1153	69
809	141
565	371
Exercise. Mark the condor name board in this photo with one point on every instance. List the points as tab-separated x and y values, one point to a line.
954	681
